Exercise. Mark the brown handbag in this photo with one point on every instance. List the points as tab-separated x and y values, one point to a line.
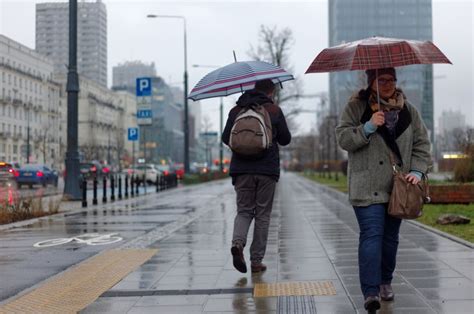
407	199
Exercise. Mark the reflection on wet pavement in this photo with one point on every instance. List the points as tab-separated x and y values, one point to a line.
313	236
22	265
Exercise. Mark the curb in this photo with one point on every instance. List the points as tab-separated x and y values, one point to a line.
343	197
442	234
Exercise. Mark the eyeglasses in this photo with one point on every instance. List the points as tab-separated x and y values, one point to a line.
386	81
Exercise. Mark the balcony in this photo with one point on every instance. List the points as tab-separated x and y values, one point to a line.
6	99
17	101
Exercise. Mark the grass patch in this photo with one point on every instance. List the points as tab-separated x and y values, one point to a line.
329	179
431	212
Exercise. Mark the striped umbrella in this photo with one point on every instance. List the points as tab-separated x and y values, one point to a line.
237	77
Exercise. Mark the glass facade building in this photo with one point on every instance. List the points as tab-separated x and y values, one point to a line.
408	19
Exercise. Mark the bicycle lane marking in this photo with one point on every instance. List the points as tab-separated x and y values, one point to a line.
75	289
86	238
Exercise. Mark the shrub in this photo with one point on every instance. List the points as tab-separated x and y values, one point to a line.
464	169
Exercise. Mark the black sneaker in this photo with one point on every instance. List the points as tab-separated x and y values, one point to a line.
237	251
372	304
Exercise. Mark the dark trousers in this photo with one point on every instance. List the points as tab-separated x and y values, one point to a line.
254	201
378	244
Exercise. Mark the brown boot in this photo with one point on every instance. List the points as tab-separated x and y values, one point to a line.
386	292
237	251
258	267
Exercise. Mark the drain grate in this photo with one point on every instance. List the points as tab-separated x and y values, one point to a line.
296	305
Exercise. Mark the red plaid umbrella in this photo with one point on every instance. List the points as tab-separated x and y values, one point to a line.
376	53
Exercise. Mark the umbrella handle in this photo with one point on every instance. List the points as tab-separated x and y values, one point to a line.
377	84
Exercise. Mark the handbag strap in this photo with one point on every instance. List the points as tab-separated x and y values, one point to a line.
394	164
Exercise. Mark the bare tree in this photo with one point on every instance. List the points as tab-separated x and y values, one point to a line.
274	47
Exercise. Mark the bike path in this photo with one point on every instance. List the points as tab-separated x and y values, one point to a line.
22	265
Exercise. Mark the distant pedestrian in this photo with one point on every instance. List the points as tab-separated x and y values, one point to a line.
255	178
372	133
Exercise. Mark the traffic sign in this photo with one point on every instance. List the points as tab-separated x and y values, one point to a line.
143	86
133	134
144	113
144	116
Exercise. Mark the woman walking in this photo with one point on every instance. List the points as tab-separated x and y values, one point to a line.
375	133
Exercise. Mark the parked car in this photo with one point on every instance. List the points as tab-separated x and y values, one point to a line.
91	170
179	170
32	174
7	174
149	170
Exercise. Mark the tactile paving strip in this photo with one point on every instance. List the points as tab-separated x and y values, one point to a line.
76	288
294	288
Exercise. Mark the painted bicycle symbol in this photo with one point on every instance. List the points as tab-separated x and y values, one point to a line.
87	238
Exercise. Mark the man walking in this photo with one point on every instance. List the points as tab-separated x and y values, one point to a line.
254	179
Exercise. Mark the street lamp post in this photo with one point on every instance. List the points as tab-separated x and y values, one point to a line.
186	122
221	118
72	187
28	136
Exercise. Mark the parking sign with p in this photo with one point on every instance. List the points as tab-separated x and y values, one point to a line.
133	134
143	86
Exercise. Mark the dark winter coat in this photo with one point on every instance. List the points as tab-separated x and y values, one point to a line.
269	163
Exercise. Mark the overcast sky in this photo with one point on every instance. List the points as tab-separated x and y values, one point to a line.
216	28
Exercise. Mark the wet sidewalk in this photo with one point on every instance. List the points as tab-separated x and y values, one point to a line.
313	237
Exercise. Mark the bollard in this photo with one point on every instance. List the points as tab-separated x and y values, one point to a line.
157	183
137	183
120	187
112	188
84	193
94	200
132	190
126	186
104	193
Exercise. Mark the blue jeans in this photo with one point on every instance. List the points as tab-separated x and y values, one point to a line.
378	244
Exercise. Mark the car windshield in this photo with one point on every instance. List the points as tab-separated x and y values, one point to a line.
32	167
163	167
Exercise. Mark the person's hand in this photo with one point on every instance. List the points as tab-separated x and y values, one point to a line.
378	118
413	179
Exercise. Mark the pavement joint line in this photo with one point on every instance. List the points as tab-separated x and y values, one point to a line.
79	286
339	197
150	292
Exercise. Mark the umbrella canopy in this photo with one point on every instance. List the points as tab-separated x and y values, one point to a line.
376	53
237	77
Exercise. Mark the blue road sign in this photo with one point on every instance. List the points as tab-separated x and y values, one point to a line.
133	134
143	86
144	114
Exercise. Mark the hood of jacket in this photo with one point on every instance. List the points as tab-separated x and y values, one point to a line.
253	96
